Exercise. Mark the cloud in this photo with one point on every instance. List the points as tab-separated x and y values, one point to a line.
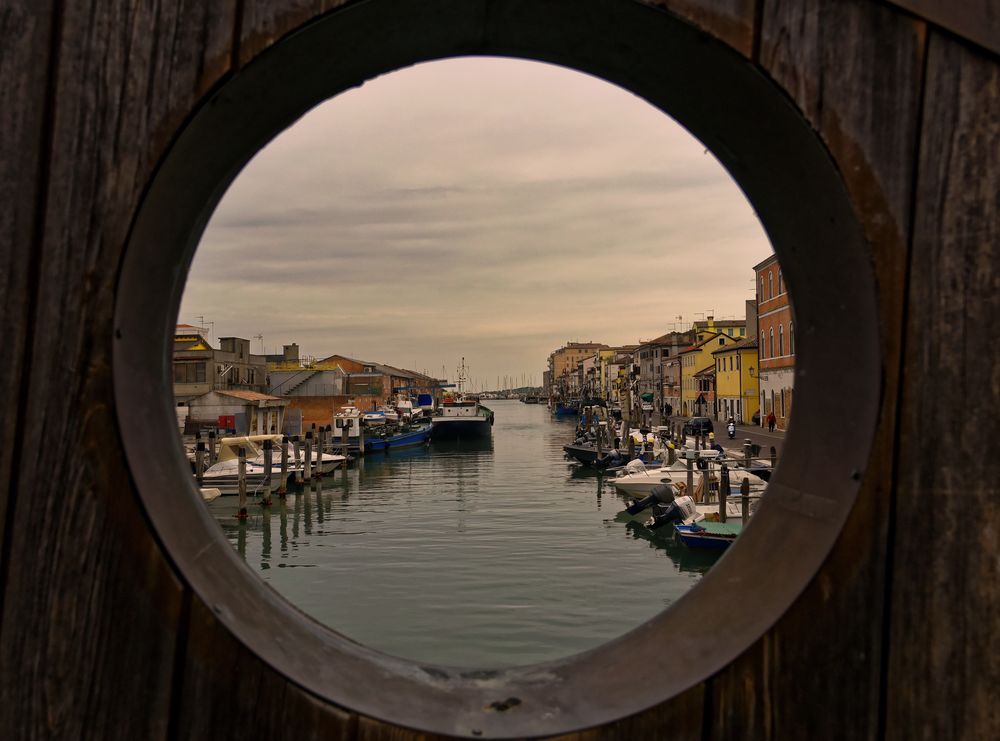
480	207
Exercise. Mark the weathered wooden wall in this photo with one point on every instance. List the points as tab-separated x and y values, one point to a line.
896	636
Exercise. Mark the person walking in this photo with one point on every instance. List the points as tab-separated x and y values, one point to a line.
771	420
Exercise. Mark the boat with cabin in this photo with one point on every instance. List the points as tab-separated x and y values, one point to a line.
461	415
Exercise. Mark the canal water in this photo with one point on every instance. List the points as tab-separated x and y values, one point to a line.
483	555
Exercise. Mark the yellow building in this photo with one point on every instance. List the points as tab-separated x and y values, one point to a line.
562	363
697	395
736	381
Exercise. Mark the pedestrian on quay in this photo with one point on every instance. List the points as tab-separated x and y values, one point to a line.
771	420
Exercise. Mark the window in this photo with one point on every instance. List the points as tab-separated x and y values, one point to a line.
189	373
782	402
780	286
770	284
761	290
763	346
770	343
781	340
791	339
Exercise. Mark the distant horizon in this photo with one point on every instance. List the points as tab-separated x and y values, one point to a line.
487	208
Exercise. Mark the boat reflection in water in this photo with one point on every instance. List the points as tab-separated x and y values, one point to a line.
687	560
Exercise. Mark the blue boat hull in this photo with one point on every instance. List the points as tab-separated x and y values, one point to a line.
565	410
403	440
694	537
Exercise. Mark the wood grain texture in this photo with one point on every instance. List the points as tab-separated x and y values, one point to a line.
975	20
228	693
944	669
25	62
678	719
731	21
855	70
262	22
90	605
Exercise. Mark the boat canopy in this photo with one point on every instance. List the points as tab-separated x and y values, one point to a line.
229	447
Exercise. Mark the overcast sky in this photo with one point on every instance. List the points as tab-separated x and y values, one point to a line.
486	208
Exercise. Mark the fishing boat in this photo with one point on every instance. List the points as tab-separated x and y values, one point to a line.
403	438
460	415
566	408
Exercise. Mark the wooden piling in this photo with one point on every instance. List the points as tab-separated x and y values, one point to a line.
320	449
307	458
265	498
691	457
747	450
283	479
212	451
361	440
242	478
297	452
344	439
199	462
723	491
774	456
706	478
745	499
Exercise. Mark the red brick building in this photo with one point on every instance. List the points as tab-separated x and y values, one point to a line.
776	343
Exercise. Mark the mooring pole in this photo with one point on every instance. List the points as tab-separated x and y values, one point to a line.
745	499
199	461
283	481
723	491
307	468
268	465
691	456
212	454
242	478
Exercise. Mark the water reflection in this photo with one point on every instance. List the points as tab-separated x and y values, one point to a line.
494	553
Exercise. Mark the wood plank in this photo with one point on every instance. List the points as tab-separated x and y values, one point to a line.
25	62
943	666
855	71
228	693
975	20
679	719
91	605
262	22
732	21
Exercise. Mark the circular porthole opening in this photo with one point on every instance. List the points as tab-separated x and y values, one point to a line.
769	150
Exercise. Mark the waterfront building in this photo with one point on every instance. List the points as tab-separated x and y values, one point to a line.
776	346
736	380
239	411
199	368
562	366
671	390
651	357
735	328
695	400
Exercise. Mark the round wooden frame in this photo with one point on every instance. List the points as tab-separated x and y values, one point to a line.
787	174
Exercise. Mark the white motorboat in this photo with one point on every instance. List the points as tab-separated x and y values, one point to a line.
637	479
224	474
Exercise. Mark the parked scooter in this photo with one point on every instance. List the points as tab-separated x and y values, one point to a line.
731	429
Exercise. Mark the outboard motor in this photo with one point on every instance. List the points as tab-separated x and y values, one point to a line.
660	494
681	509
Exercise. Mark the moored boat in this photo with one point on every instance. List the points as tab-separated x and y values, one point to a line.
400	439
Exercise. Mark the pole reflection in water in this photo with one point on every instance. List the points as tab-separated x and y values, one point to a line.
471	554
265	544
